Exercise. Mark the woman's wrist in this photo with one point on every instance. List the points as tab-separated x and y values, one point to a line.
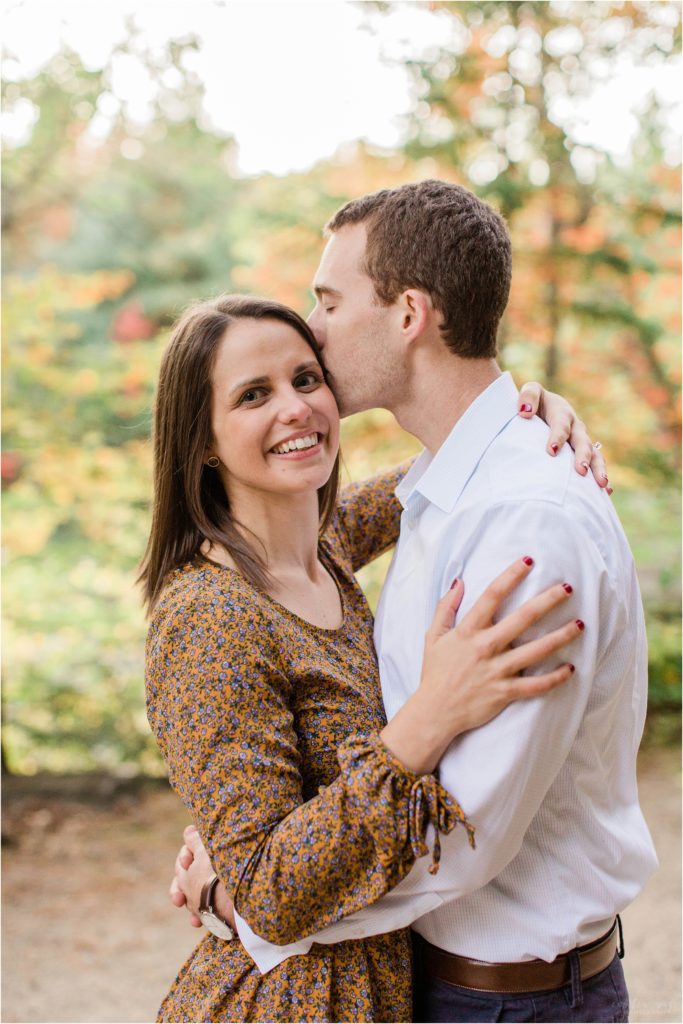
416	735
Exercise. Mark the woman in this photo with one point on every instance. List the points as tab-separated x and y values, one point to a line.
261	680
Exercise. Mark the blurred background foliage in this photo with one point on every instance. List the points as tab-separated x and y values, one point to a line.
111	225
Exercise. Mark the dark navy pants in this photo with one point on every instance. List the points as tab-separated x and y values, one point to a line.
602	998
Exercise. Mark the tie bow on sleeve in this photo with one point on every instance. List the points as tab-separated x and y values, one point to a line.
397	805
431	804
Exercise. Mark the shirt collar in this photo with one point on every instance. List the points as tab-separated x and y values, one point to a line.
441	478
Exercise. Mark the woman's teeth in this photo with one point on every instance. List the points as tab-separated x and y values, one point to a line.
296	445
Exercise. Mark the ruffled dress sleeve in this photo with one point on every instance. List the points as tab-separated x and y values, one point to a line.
218	703
368	518
346	848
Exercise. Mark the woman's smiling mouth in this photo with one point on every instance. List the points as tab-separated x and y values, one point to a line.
296	445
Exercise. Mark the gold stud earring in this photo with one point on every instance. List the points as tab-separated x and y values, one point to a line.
213	461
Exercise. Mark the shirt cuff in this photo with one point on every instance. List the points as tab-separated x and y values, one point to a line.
267	955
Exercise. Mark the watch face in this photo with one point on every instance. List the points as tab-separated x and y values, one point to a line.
214	925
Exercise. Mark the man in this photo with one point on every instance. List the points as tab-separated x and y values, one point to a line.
411	288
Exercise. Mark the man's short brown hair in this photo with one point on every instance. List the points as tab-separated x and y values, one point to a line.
442	239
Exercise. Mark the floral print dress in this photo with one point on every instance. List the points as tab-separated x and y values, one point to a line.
269	727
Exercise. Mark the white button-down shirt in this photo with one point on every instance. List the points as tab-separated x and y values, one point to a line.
550	784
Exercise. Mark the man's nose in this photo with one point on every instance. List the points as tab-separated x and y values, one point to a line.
315	322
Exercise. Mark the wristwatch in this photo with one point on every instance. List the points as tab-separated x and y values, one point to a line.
209	918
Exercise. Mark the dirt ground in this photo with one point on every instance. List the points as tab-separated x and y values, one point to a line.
89	934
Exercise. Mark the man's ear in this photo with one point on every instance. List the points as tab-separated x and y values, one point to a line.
415	308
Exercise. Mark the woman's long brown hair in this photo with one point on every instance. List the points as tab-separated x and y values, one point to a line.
190	505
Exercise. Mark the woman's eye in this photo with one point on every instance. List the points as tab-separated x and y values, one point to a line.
328	309
307	380
251	396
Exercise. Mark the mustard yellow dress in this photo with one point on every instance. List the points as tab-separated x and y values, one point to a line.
269	727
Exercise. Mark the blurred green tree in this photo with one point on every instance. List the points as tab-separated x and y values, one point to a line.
75	472
96	184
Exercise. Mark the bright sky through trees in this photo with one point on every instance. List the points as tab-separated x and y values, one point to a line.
294	81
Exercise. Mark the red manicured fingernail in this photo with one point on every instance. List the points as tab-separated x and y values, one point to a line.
585	466
610	491
571	667
525	407
580	625
528	560
605	478
453	584
554	448
568	587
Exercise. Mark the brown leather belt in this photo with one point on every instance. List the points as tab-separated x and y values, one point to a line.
527	976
